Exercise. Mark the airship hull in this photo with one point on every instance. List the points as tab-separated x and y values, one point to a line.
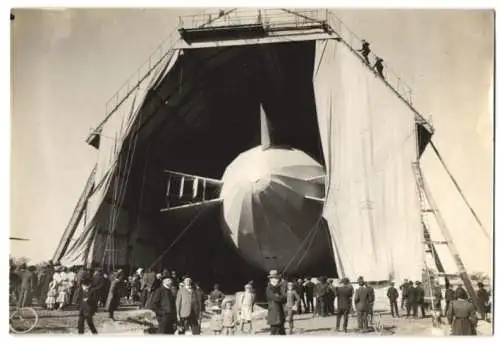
271	211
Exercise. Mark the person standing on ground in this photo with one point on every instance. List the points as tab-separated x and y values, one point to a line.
438	297
483	296
309	295
462	316
247	303
115	293
27	286
344	303
188	306
299	287
449	296
292	304
392	295
88	307
371	301
420	298
411	302
163	304
362	301
276	301
404	294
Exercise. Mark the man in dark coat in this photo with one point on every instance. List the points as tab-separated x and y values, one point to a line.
99	285
115	294
148	279
344	303
44	282
88	307
321	297
411	302
309	295
362	301
163	304
276	301
449	295
28	284
392	295
371	296
420	298
404	294
438	297
299	287
483	296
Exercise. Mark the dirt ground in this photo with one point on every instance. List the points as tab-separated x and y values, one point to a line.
131	321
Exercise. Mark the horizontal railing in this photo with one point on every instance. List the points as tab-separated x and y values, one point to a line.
270	18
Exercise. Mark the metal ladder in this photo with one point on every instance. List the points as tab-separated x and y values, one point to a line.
429	206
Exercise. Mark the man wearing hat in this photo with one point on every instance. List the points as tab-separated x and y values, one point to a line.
163	304
189	307
276	301
344	303
404	293
362	301
392	295
411	302
484	296
420	299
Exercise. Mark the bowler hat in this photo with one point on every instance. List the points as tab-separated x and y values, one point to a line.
274	274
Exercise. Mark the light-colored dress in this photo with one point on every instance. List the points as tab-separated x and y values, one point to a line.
51	295
216	322
247	302
63	286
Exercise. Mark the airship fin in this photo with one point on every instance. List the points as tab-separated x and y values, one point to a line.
265	137
192	205
317	199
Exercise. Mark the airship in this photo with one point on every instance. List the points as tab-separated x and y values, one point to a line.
272	201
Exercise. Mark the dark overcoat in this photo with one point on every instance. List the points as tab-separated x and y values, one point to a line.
276	302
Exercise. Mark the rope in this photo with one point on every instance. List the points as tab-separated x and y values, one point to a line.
459	189
179	236
310	232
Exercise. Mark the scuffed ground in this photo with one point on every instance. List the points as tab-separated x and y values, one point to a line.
131	321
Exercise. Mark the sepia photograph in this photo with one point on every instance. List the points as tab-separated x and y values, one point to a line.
251	171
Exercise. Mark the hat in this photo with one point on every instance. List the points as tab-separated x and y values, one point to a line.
140	270
410	283
344	280
361	279
418	283
274	274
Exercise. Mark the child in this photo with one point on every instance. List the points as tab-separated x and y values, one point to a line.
228	319
247	302
51	295
216	322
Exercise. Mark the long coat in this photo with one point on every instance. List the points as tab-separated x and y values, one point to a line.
362	299
276	301
462	317
188	303
344	298
114	295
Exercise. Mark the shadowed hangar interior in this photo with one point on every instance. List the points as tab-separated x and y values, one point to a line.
197	119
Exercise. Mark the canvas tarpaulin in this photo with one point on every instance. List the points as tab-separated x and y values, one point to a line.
113	164
369	145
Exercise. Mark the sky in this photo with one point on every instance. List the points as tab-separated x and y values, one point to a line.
67	63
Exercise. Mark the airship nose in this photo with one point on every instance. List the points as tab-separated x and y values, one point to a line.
261	184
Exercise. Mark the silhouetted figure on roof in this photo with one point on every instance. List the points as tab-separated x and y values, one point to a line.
365	51
379	67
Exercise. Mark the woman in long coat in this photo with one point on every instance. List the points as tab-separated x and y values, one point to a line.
462	316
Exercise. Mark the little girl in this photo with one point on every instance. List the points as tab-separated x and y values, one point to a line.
228	319
51	295
216	322
247	302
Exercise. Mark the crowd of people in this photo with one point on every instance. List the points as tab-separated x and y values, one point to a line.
180	303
